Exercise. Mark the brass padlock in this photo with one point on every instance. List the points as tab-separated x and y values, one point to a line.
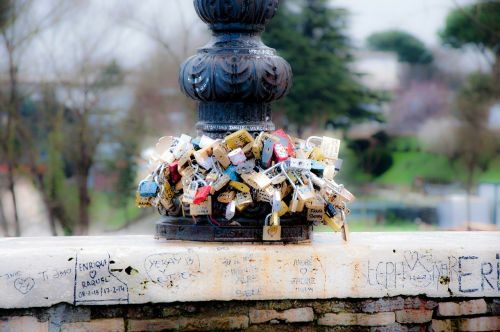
203	208
266	194
226	197
243	199
283	210
239	186
238	139
256	180
315	214
203	158
317	154
220	153
272	229
220	183
333	222
142	202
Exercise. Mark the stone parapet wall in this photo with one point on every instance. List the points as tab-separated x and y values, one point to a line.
378	281
384	314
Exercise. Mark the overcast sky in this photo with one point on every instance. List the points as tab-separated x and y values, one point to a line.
99	20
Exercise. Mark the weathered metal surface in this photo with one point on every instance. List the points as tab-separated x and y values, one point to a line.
235	77
184	229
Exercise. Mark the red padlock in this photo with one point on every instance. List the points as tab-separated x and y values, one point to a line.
285	140
280	152
202	194
174	172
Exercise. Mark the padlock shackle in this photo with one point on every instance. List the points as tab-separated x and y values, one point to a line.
308	141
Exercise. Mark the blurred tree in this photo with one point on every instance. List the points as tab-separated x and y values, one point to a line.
311	36
373	155
408	48
478	25
18	28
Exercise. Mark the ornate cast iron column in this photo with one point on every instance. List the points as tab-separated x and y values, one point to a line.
235	77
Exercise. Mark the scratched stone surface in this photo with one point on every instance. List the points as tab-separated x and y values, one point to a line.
39	272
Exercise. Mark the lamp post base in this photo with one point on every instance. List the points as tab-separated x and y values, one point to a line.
175	228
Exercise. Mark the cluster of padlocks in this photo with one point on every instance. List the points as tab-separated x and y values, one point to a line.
220	179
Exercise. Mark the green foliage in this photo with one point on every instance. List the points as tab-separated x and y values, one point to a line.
373	155
311	36
477	24
408	48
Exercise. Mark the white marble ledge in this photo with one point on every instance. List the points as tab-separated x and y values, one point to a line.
39	272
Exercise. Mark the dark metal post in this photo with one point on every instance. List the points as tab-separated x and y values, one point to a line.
234	78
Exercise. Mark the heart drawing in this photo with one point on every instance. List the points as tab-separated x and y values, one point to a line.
24	285
92	274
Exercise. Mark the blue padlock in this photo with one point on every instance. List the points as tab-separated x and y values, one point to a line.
148	188
330	210
231	171
267	153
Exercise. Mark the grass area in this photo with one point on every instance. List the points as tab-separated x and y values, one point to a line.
371	226
410	163
109	216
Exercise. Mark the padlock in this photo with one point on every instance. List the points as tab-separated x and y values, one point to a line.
166	203
239	186
247	150
330	147
334	223
226	196
294	202
220	153
317	168
271	232
315	215
267	153
204	208
283	209
221	182
246	166
315	203
280	152
299	164
206	141
230	210
256	180
276	202
184	161
305	193
183	144
257	146
285	140
196	143
203	159
330	210
329	172
202	194
187	172
345	195
238	139
231	171
167	191
243	199
285	190
237	156
148	188
173	168
189	193
317	154
142	202
164	144
265	195
211	177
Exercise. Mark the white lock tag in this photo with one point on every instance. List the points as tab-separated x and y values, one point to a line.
189	194
230	210
330	147
237	156
206	141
